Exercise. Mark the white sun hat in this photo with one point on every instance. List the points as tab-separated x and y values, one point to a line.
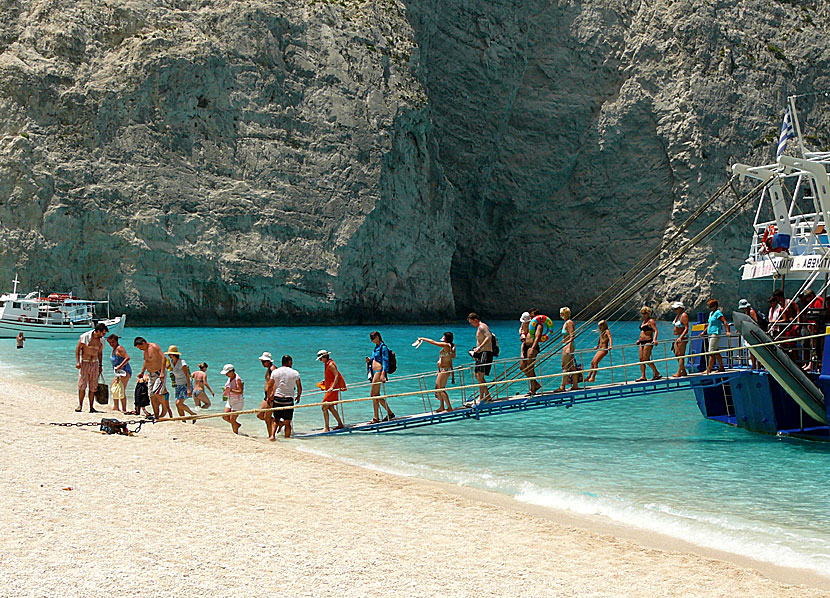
227	368
322	353
677	305
266	356
525	317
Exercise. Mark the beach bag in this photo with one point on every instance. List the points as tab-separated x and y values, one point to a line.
102	394
142	395
494	342
113	426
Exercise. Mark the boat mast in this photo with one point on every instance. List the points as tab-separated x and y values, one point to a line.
791	100
15	281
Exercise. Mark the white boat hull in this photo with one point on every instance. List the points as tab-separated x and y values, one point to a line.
34	330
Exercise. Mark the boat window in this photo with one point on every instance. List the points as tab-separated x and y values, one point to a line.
16	305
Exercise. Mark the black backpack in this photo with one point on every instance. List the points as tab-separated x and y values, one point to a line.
763	321
142	395
494	343
393	360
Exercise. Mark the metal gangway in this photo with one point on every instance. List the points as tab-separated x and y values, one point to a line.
617	383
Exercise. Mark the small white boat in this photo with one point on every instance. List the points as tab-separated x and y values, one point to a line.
55	316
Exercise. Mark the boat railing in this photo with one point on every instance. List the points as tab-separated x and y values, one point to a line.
808	235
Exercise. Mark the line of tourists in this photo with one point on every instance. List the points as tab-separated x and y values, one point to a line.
283	388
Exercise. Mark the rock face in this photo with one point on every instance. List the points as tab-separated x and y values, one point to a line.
222	161
219	161
577	133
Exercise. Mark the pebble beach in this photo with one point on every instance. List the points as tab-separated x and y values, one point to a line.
188	510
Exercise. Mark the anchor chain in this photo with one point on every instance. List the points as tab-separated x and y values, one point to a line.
140	423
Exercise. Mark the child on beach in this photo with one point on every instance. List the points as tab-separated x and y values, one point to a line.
232	393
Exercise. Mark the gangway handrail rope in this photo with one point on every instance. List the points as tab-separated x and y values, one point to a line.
634	285
477	385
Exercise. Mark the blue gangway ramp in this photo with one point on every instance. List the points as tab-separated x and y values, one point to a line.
520	403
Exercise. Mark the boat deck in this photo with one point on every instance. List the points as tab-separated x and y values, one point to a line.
519	403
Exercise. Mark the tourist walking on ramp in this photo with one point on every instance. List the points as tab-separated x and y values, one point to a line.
199	384
378	365
122	370
482	354
88	357
445	357
333	383
233	394
568	350
646	343
715	329
180	374
604	345
286	382
681	337
20	339
746	308
157	375
267	362
539	329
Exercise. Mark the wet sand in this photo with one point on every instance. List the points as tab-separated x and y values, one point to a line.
192	510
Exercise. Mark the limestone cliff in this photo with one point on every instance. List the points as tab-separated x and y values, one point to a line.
221	161
575	133
214	160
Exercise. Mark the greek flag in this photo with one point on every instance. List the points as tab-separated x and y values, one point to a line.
787	132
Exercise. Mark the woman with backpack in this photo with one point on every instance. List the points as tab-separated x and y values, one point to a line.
378	365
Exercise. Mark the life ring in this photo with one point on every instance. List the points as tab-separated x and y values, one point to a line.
541	321
766	240
21	319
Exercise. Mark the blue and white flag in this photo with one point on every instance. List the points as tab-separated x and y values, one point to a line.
787	132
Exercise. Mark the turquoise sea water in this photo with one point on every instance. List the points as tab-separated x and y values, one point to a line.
652	462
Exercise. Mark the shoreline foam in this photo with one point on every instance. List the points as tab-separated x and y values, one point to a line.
200	484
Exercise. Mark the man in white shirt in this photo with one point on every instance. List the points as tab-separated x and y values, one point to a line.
286	380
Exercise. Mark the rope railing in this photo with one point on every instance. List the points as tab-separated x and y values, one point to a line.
477	385
634	280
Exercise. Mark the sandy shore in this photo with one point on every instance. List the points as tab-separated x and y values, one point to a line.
184	510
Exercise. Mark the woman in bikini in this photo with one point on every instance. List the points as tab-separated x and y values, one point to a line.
199	384
646	342
120	361
568	349
681	338
605	344
445	357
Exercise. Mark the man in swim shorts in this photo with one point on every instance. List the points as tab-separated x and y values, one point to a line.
88	355
154	366
482	354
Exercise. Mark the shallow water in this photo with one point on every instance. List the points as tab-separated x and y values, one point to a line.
652	462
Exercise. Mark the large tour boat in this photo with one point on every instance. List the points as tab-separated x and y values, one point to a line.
53	316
